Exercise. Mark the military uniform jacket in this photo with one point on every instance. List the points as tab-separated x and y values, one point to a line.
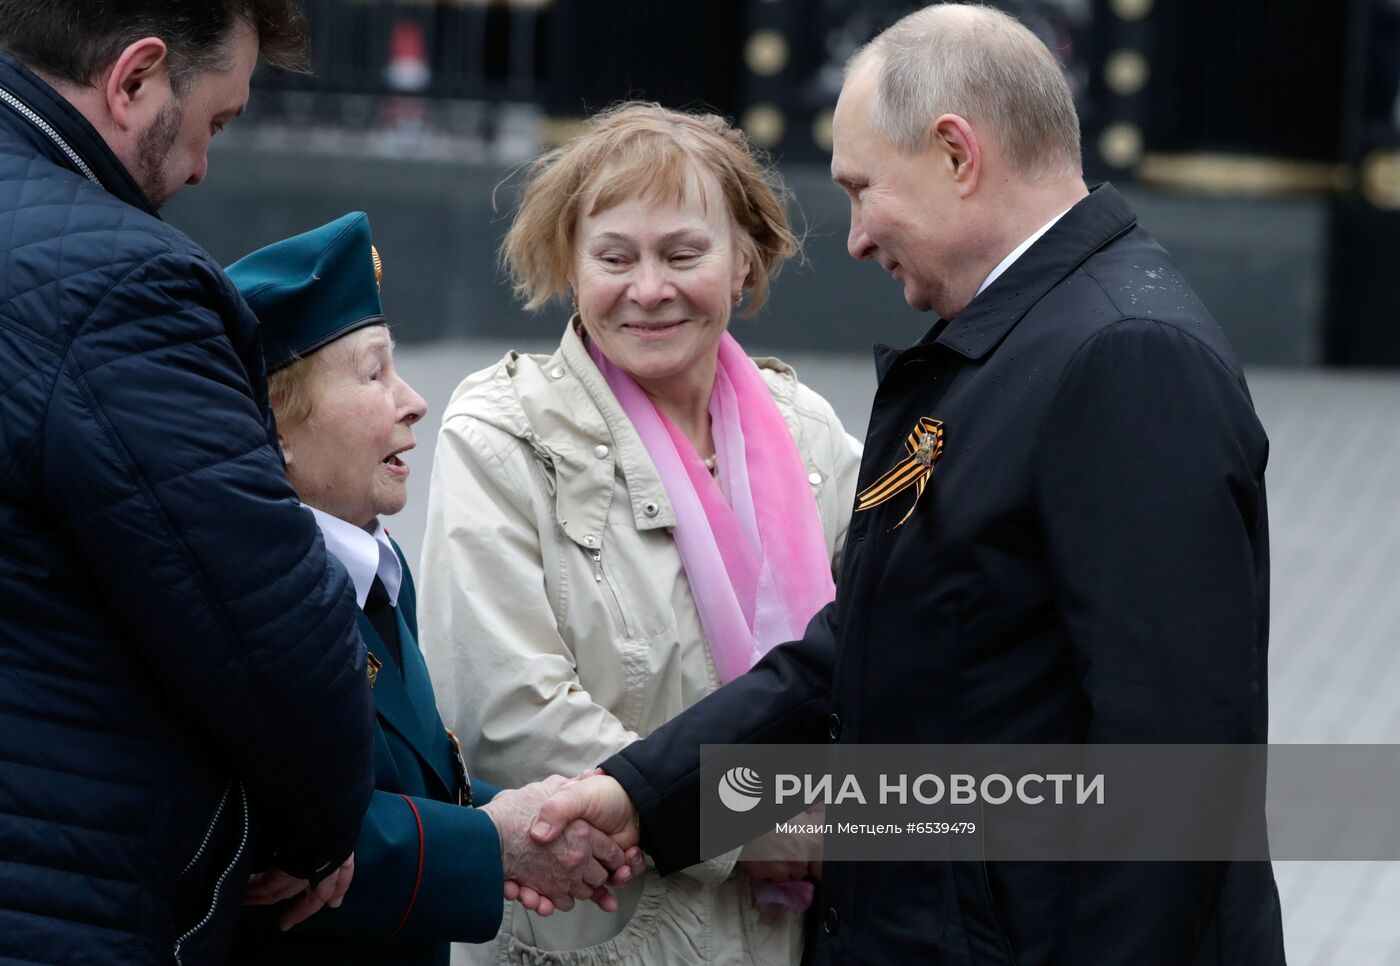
427	869
1088	563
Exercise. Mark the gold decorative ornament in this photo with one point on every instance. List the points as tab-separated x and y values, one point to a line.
764	124
1380	178
1131	9
378	266
1239	174
1120	144
766	52
821	129
1126	72
555	131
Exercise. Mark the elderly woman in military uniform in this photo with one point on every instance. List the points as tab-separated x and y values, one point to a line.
619	527
436	847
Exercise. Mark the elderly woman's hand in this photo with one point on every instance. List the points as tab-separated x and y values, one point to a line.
579	864
273	886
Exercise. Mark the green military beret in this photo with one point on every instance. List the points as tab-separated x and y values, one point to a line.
311	289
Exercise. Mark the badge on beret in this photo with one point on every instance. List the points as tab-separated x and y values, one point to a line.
924	446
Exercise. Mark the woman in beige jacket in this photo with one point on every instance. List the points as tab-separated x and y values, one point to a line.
618	528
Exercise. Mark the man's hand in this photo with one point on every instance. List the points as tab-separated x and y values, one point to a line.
597	799
593	799
273	886
578	862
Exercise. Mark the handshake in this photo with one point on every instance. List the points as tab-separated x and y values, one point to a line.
562	840
566	839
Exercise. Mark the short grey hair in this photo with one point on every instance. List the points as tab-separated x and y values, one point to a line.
984	66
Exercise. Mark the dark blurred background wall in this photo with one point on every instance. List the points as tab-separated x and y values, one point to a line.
1258	140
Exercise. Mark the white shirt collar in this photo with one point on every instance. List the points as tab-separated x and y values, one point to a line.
364	554
1018	251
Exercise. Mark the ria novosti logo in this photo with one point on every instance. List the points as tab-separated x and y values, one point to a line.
740	789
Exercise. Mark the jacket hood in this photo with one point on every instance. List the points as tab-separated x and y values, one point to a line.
562	408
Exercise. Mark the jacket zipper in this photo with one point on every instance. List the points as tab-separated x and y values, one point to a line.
219	883
29	114
597	554
208	832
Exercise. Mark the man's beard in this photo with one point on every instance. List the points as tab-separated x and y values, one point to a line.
152	153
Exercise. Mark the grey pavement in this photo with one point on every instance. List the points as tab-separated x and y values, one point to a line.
1334	508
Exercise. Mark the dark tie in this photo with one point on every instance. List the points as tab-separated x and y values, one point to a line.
381	614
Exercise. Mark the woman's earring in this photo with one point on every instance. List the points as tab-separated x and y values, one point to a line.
574	297
738	298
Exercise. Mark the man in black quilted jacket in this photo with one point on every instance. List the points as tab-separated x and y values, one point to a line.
181	679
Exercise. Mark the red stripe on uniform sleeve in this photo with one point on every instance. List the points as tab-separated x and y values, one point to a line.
418	877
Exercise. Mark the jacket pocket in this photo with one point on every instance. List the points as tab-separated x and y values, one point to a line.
641	940
210	877
983	920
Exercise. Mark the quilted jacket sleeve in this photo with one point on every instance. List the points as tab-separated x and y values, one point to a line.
158	459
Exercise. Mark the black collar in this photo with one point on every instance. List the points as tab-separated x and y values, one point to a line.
63	118
1092	223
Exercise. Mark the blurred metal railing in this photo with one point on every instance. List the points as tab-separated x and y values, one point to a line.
1179	92
1289	100
773	64
470	49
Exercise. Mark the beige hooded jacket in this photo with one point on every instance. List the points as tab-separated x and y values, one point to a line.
559	626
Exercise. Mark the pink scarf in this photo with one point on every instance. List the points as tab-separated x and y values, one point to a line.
751	543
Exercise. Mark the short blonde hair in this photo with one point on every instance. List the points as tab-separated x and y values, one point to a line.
289	392
650	151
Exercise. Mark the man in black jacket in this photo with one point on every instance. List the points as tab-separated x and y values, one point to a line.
181	670
1074	549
